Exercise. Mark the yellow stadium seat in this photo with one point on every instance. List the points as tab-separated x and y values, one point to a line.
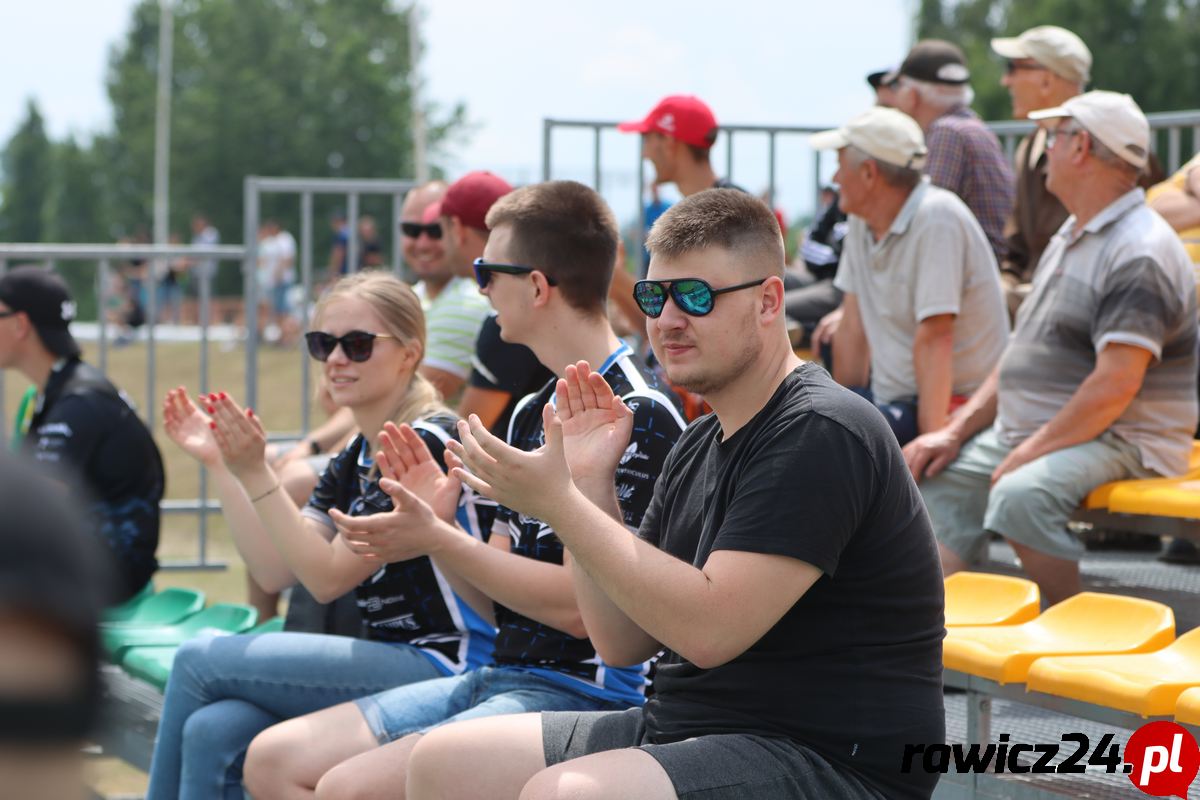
1163	497
978	598
1086	624
1144	683
1187	709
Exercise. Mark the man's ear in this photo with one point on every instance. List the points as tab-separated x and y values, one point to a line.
541	288
772	299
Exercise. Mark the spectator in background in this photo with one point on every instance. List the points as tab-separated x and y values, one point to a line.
276	275
338	250
821	250
54	579
923	318
421	241
370	251
1046	66
677	136
964	156
1098	382
84	432
458	312
201	272
883	83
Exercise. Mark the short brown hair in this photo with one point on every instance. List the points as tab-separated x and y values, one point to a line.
566	230
727	218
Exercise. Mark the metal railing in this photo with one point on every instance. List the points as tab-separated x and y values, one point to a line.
104	257
1170	128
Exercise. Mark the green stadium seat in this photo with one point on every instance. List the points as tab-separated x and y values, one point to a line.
223	617
168	607
153	664
126	610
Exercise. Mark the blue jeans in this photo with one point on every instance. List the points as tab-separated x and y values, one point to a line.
485	692
225	690
901	415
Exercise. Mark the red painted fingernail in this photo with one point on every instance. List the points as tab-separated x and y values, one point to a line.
249	412
223	395
212	425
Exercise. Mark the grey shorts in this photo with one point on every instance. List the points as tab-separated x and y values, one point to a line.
719	767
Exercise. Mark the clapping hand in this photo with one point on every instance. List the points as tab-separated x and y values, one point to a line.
239	435
405	458
190	428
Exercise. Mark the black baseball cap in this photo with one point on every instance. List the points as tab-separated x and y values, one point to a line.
44	297
877	78
936	61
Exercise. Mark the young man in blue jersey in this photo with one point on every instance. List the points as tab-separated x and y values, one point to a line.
546	270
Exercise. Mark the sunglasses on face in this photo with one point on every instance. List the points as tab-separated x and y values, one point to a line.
484	270
357	345
1015	66
693	296
413	230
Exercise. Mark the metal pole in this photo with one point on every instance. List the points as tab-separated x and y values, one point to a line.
398	266
162	122
420	144
206	279
250	286
352	233
596	158
771	168
641	215
816	180
151	324
3	410
729	155
306	236
1173	156
102	293
547	131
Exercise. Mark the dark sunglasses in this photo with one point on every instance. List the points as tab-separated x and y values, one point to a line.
6	314
693	296
484	270
1013	66
413	230
357	345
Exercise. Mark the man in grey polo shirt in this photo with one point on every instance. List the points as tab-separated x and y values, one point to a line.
923	316
1098	381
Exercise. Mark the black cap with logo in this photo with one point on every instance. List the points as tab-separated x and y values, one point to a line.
936	61
44	297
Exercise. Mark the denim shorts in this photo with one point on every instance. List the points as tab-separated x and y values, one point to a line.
485	692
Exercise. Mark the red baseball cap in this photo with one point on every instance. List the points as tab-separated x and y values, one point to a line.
681	116
471	197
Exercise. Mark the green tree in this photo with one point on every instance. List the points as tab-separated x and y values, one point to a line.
1148	48
265	87
74	207
27	175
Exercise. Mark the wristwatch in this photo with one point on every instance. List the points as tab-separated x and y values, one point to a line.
314	447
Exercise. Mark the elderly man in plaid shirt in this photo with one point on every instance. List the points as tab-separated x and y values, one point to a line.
965	157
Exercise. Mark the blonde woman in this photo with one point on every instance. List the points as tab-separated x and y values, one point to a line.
369	334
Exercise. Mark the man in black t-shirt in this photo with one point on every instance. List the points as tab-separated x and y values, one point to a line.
785	565
501	374
83	430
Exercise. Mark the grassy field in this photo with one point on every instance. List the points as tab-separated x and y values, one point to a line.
179	365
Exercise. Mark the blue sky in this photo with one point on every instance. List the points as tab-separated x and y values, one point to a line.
514	63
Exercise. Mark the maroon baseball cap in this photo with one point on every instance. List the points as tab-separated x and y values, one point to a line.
681	116
470	197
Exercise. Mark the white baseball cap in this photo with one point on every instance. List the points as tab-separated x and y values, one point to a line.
884	134
1113	118
1055	48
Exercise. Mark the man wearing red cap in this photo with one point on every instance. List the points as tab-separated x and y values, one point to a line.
677	135
455	317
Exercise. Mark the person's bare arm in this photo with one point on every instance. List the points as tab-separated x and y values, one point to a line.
447	383
1098	402
852	352
708	615
487	404
933	365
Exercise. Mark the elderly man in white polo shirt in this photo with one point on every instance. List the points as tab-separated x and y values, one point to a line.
1098	381
923	317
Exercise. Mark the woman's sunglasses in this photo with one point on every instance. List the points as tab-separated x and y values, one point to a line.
357	345
693	296
413	230
484	270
